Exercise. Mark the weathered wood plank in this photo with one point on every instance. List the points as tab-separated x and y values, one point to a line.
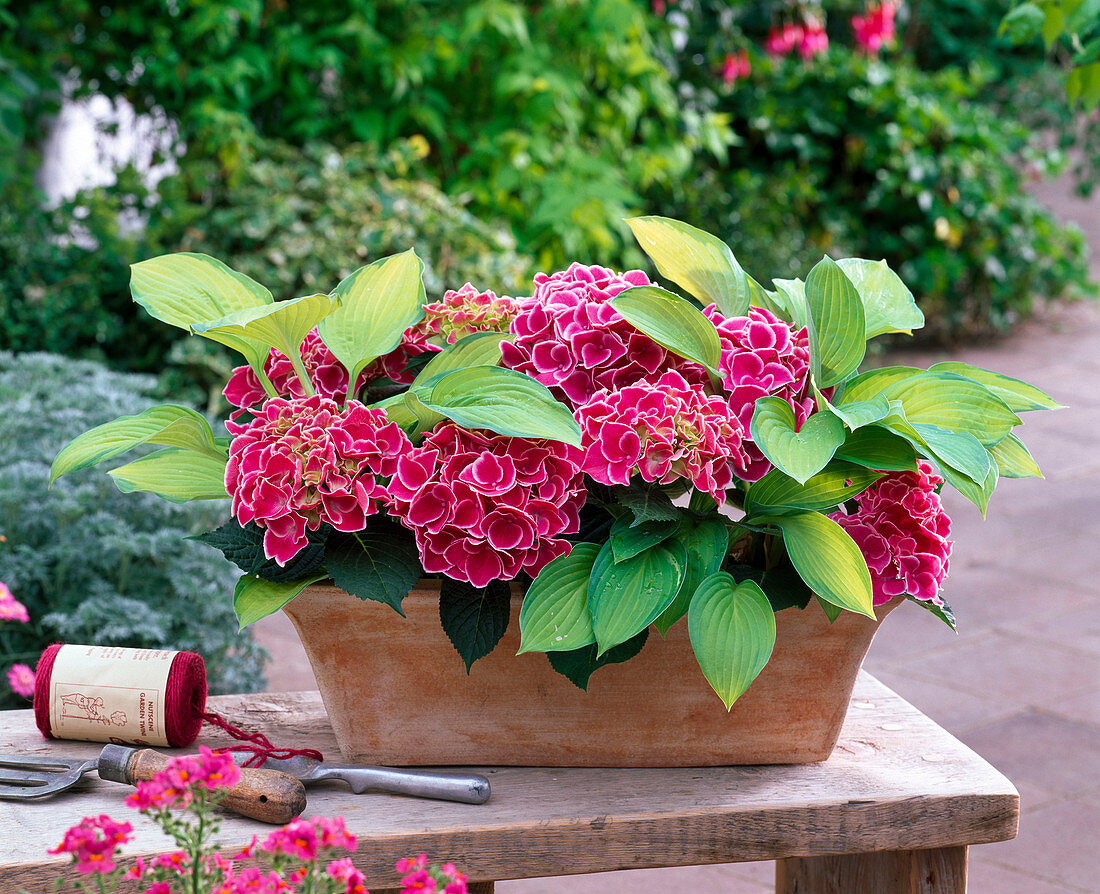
896	781
935	871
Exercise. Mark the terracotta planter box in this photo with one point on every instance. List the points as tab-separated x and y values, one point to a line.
397	693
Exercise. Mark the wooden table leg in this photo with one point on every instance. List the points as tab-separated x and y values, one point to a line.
935	871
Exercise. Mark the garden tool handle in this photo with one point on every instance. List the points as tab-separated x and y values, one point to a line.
466	788
269	796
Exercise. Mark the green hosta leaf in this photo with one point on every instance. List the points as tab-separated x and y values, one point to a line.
705	543
255	598
578	665
800	454
185	288
175	474
860	413
554	616
169	425
629	539
474	619
502	400
478	349
838	482
243	545
698	262
837	324
732	631
282	326
951	402
672	322
888	305
647	503
877	448
626	597
409	413
977	492
793	292
1018	396
380	563
869	385
960	450
1013	459
775	302
826	558
377	304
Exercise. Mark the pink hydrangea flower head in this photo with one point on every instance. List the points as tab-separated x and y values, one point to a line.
21	680
465	311
11	609
570	338
762	355
901	529
343	870
662	431
875	29
93	842
483	506
306	461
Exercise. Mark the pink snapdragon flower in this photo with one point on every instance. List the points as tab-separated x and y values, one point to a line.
93	842
11	609
484	506
735	66
306	461
570	338
298	838
21	680
902	530
761	355
875	29
662	431
343	870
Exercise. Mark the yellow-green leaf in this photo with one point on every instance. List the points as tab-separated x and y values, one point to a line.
175	474
1018	396
1013	459
887	304
672	322
837	324
255	598
800	453
554	615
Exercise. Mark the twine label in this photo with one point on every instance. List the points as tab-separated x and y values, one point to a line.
110	694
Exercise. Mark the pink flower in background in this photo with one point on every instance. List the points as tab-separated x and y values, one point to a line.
735	66
902	529
21	680
761	354
11	609
484	506
876	28
93	843
781	41
306	461
663	430
570	338
814	40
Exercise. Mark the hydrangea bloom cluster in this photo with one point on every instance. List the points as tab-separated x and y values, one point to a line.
11	609
876	28
306	461
901	529
760	355
92	843
570	338
465	311
484	507
662	431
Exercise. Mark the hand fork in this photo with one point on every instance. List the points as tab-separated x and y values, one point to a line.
266	795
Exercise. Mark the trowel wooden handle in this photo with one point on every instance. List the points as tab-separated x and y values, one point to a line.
269	796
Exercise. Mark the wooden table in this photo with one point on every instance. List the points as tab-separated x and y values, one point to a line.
893	810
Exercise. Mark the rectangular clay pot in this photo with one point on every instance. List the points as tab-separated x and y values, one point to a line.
397	693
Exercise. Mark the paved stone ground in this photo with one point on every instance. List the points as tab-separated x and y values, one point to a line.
1020	684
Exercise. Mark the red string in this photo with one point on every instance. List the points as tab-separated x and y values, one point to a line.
258	744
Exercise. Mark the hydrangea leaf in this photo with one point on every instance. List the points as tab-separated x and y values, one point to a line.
255	598
672	322
1013	459
825	557
799	453
696	261
186	288
732	631
473	618
1018	396
175	474
888	305
838	482
626	597
837	323
380	563
578	665
282	326
504	401
554	615
168	425
378	303
705	542
243	545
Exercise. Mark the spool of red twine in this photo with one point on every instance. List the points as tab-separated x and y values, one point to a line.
184	709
